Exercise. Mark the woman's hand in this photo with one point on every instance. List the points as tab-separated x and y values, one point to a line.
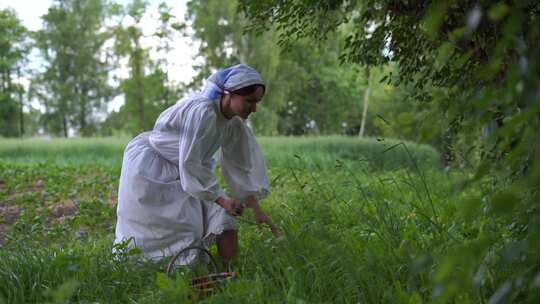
231	206
260	216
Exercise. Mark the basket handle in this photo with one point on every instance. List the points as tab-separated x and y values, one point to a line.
170	267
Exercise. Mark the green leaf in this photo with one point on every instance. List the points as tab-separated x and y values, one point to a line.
445	269
469	208
444	52
456	34
134	251
162	281
498	11
405	118
482	170
64	291
535	172
428	132
504	202
435	17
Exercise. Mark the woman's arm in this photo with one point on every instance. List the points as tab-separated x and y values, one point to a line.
260	215
197	136
242	163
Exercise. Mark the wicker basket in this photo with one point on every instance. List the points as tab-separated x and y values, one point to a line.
203	286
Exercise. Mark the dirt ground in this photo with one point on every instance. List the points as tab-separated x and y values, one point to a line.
57	212
8	216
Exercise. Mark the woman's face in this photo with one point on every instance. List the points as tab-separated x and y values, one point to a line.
245	105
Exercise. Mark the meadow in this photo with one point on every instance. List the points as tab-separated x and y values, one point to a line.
361	220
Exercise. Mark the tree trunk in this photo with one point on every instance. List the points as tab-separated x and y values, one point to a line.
4	123
21	105
366	102
3	83
10	122
82	114
64	124
139	75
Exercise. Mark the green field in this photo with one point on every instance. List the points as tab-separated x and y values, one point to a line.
362	221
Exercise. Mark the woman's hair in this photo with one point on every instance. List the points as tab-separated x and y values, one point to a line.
245	91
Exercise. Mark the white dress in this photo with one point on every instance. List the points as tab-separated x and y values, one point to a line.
167	190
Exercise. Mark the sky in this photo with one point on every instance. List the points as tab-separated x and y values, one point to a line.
181	59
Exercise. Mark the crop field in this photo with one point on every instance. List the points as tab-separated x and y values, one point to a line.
361	221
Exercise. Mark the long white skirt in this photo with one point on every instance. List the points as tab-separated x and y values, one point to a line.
154	211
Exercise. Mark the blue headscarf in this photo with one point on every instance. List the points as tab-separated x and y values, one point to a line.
231	79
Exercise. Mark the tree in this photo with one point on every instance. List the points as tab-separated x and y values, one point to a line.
13	49
366	103
75	81
471	48
293	79
147	90
128	43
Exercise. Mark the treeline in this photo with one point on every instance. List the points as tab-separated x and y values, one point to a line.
311	90
86	47
83	46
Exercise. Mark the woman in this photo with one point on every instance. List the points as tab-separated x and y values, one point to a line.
169	197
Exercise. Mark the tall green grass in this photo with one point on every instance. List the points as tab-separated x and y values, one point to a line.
349	234
63	151
73	272
328	151
382	154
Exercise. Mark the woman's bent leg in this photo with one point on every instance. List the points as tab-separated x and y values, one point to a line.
227	244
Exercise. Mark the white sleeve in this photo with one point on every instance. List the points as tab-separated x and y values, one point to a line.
242	163
197	136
